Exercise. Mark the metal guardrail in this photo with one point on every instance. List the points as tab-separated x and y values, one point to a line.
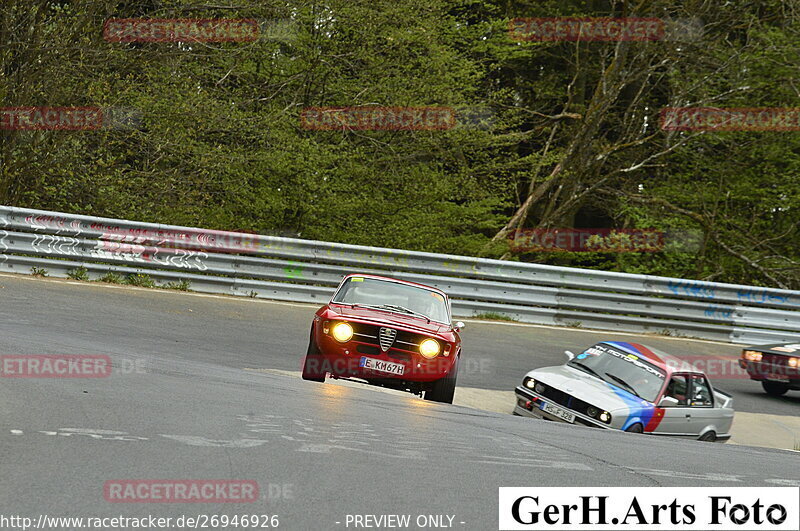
308	271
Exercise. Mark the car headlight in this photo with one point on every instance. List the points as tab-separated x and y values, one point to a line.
342	332
429	348
793	362
540	388
752	355
591	411
605	416
529	383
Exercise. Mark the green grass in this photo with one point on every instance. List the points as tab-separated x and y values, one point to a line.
141	280
182	285
111	278
78	273
494	316
38	271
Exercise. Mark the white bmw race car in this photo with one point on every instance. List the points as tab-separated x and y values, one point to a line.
628	387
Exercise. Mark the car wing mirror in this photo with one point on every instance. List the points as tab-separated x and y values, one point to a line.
668	401
459	325
569	354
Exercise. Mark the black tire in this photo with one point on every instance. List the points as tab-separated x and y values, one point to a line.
775	388
444	389
312	363
635	428
709	436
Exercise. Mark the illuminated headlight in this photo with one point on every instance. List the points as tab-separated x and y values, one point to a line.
752	355
605	416
793	362
429	348
529	383
342	332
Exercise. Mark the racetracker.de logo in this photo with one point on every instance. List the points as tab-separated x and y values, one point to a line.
733	119
55	366
180	491
51	118
180	30
586	29
587	240
378	118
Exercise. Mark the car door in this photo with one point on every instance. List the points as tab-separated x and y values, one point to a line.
675	420
701	405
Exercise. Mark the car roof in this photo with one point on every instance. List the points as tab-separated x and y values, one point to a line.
660	359
390	279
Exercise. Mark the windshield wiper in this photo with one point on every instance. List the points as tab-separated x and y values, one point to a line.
405	310
585	368
624	383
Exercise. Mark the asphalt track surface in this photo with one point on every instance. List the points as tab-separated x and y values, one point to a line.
180	405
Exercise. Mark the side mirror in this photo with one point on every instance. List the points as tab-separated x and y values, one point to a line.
569	354
459	325
668	401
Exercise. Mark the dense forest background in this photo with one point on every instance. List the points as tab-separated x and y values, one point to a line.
569	137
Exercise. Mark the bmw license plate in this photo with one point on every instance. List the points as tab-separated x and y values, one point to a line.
556	411
382	366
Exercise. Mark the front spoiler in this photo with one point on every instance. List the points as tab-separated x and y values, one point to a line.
535	412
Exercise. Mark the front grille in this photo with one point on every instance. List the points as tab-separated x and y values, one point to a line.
563	399
369	333
368	349
387	336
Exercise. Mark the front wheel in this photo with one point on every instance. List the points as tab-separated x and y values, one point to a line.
775	388
312	363
635	428
444	389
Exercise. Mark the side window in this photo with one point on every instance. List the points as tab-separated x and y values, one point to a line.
701	392
678	388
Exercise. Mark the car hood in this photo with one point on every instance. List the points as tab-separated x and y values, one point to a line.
588	388
380	317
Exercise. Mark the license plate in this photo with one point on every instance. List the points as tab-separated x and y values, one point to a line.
382	366
556	411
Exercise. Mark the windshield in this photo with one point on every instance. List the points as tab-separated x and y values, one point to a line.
400	298
626	371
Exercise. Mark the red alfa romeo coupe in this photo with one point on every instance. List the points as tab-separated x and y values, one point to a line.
387	332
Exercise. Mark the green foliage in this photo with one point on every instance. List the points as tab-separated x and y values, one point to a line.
79	273
220	142
111	278
181	285
38	271
494	316
140	279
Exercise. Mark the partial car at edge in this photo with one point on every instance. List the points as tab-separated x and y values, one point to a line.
776	366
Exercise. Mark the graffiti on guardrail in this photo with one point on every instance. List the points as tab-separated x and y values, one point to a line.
718	312
178	258
692	288
761	296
